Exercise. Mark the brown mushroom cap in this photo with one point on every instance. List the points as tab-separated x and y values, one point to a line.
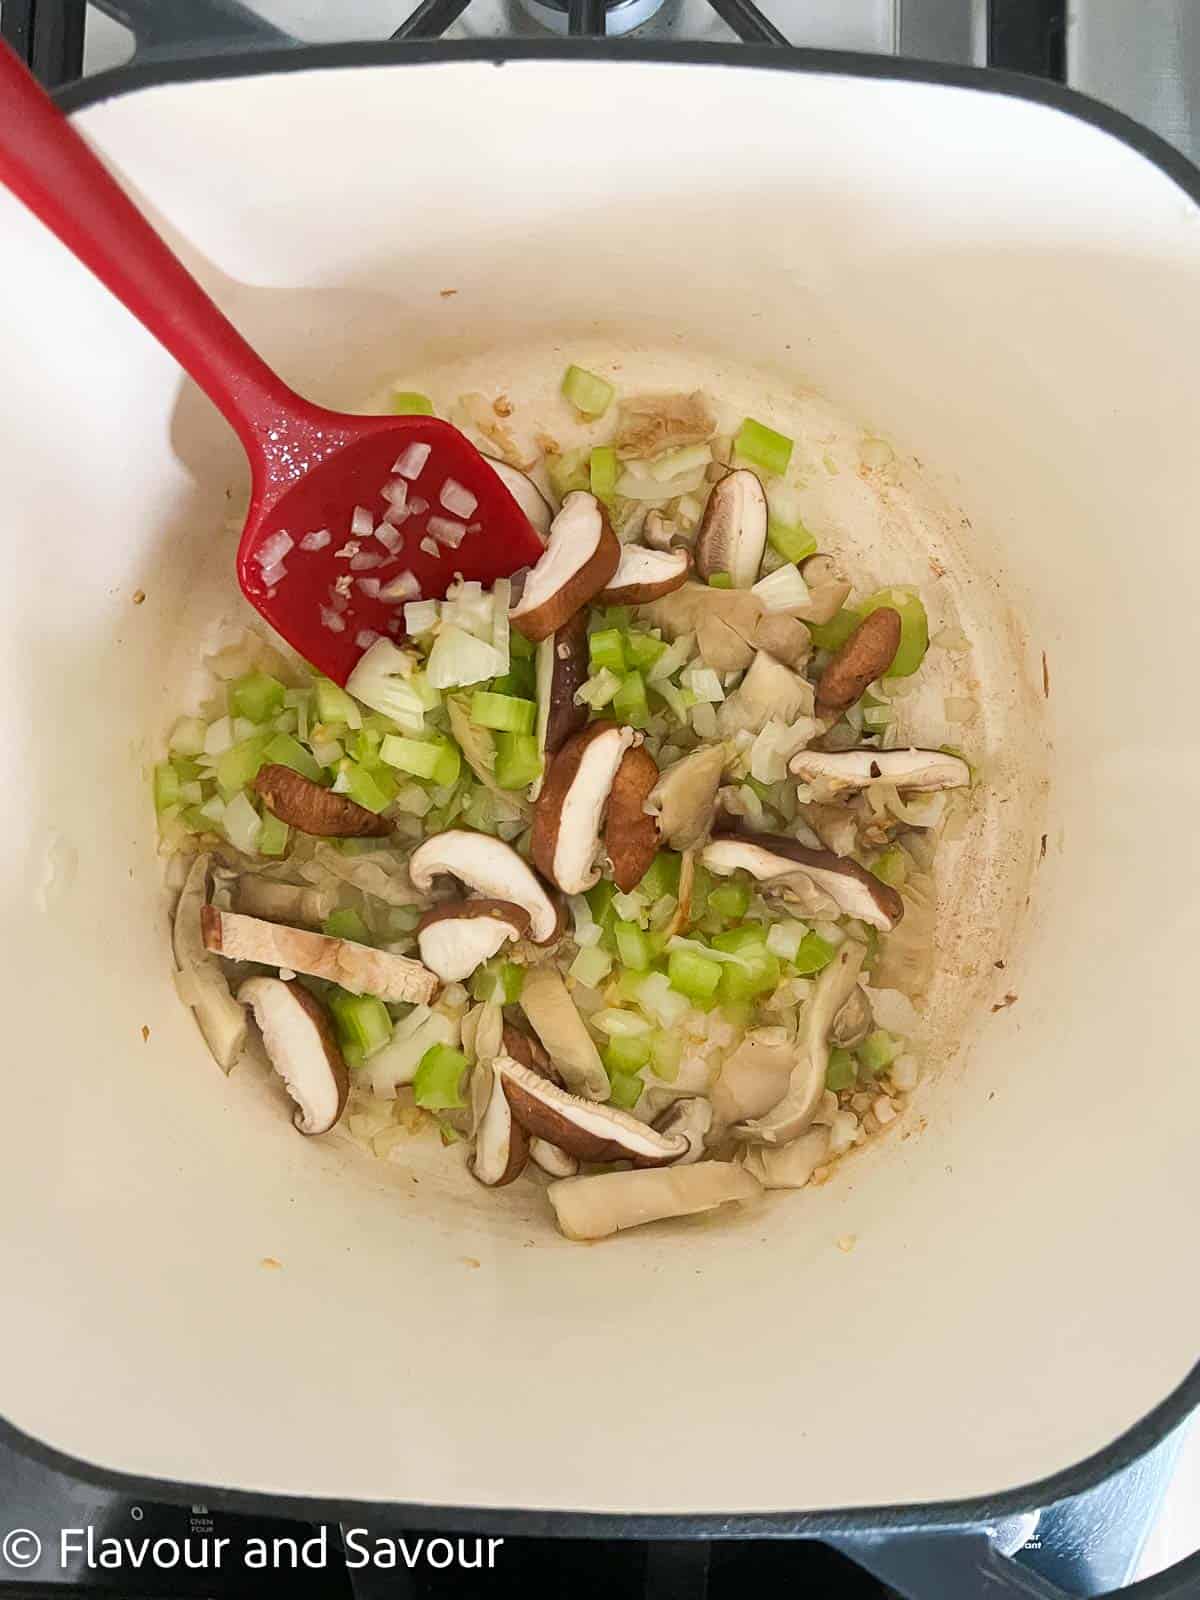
566	820
493	869
865	656
581	1127
579	559
562	669
529	1053
356	967
458	936
307	806
733	530
630	834
605	1203
528	496
303	1049
644	574
773	858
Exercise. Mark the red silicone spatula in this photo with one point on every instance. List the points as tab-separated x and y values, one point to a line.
311	468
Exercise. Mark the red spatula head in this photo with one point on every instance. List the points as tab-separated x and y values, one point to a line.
353	516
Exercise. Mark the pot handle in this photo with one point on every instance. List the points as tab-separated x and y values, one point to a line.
926	1566
177	27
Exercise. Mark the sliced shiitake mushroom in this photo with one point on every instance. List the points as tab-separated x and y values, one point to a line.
283	902
458	936
221	1020
768	690
865	656
630	834
493	869
730	625
643	574
733	530
527	495
342	961
828	591
583	1128
555	1019
773	858
579	560
303	804
684	800
553	1161
303	1049
562	669
501	1144
605	1203
567	818
689	1118
854	1021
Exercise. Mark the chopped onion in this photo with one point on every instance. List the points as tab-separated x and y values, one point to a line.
782	590
348	551
704	720
410	463
362	522
587	931
704	684
273	550
366	562
459	658
402	587
420	616
366	637
620	1024
418	507
274	575
785	938
369	587
458	499
430	547
331	620
395	492
317	540
673	657
242	824
389	537
952	639
446	531
632	487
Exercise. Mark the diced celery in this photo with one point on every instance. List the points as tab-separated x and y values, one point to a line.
600	903
437	760
408	403
166	787
644	650
520	648
498	980
273	836
599	689
618	617
693	975
749	938
626	1053
327	751
374	788
569	471
629	986
286	751
756	971
603	471
438	1082
519	680
914	628
187	737
703	884
587	392
365	745
763	447
256	695
877	1051
833	634
361	1020
333	704
288	721
666	1054
625	1090
242	824
794	543
629	702
730	900
892	866
606	649
240	763
502	712
720	580
661	877
346	924
518	760
590	967
814	954
841	1071
632	948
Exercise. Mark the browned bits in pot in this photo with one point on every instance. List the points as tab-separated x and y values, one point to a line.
865	656
307	806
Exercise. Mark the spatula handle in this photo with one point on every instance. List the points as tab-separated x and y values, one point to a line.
47	165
